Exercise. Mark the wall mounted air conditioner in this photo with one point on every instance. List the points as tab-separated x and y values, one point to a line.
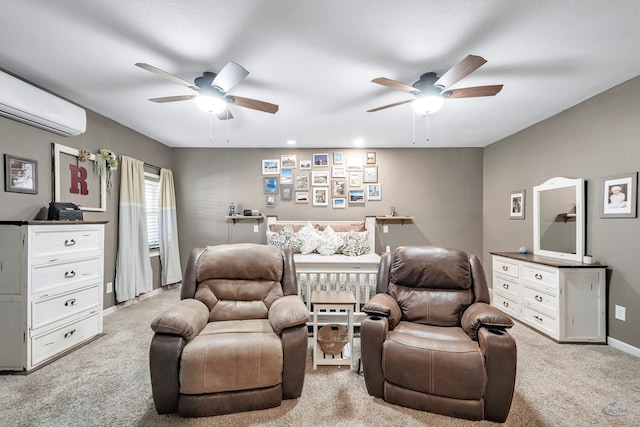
27	104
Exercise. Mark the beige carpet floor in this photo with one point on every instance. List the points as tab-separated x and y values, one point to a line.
106	383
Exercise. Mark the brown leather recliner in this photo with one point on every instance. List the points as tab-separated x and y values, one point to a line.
432	342
237	340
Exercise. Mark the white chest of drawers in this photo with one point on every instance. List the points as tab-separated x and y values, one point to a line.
564	300
51	289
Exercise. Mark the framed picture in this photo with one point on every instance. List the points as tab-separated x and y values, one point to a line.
356	196
288	161
338	188
373	192
270	185
321	196
321	160
338	172
516	204
286	192
286	176
370	174
302	181
619	194
271	167
73	182
270	201
20	175
354	164
337	158
305	165
302	197
320	178
371	157
338	203
354	179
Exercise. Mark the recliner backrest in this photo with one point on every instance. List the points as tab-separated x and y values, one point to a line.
433	286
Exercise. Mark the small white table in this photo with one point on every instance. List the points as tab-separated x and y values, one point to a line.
332	300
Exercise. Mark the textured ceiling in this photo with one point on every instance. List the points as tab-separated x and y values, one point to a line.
315	59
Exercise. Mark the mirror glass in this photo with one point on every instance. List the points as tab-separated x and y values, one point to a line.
559	218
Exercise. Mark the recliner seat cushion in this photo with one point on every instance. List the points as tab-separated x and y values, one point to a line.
434	360
232	355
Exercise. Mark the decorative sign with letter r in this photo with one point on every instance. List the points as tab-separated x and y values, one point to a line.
75	181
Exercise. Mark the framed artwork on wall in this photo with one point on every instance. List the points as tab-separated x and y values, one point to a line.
20	175
321	160
374	192
286	192
286	176
371	157
337	158
321	196
271	167
72	181
302	197
305	165
270	185
619	195
338	188
370	174
270	201
338	172
288	161
516	204
356	197
320	178
354	179
338	202
302	181
354	164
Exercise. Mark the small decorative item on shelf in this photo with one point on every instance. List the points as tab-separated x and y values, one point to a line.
332	338
232	209
523	250
106	163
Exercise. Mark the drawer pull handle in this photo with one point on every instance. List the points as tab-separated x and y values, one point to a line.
68	334
538	276
69	242
70	302
506	304
506	286
538	298
505	268
538	318
69	274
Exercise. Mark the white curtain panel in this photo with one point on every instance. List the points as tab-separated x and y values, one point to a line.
133	267
168	231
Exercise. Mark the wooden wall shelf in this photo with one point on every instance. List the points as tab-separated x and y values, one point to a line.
235	218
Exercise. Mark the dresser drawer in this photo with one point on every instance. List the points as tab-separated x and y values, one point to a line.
55	275
53	342
542	322
506	287
508	306
540	300
506	266
548	279
49	310
65	240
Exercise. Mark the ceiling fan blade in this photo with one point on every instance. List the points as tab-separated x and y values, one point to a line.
395	85
254	104
173	98
229	76
390	105
461	70
166	75
473	92
225	115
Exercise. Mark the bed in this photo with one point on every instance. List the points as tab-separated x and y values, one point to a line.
355	271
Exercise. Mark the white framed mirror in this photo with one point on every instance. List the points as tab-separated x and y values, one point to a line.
559	218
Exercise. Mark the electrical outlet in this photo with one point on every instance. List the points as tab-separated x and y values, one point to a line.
109	287
385	228
621	312
256	228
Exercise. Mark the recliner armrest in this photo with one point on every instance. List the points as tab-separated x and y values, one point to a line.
286	312
384	305
187	318
481	314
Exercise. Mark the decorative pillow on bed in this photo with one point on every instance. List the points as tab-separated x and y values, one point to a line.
331	242
284	238
310	238
355	243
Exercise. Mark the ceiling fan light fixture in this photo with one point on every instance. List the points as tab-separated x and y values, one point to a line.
427	104
210	104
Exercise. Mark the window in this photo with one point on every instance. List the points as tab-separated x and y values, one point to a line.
152	202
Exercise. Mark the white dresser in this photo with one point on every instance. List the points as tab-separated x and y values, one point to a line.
563	299
51	289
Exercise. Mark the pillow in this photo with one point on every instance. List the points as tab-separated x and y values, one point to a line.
331	242
284	238
309	238
356	243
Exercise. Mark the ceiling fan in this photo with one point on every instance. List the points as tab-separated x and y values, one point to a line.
430	91
212	90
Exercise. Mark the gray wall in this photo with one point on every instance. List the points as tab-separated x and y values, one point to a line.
25	141
440	188
595	139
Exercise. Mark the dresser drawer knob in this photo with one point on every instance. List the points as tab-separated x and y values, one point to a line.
538	298
505	268
69	242
538	276
68	334
506	304
505	285
70	302
538	318
69	274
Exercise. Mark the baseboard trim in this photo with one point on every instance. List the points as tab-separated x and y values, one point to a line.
120	306
623	346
